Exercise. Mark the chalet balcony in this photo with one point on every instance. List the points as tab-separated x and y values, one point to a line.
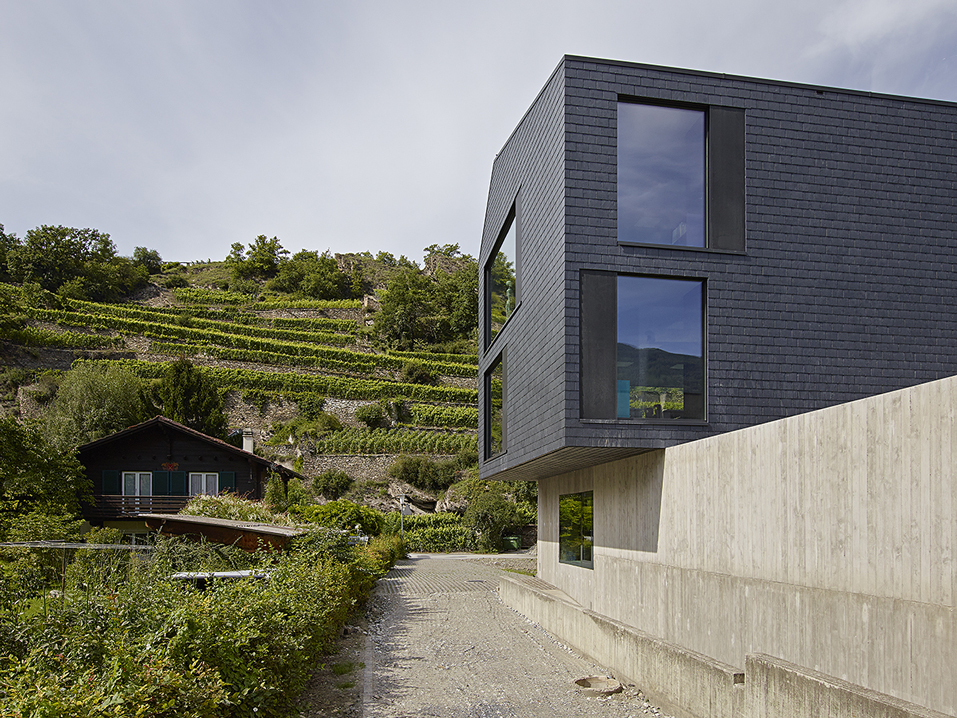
114	507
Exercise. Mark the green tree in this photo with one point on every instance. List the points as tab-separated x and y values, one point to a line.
82	260
187	396
404	306
309	274
457	299
37	476
7	243
93	401
489	512
148	259
262	261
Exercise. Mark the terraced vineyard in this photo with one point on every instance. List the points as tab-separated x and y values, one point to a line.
271	358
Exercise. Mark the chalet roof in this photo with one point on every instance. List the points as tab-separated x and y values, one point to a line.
175	426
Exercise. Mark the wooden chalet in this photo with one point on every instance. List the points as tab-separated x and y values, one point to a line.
155	467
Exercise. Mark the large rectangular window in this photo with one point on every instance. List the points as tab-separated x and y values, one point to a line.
501	279
659	351
576	528
642	348
495	408
661	168
681	176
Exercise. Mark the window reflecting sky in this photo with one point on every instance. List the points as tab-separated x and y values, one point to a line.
660	175
661	313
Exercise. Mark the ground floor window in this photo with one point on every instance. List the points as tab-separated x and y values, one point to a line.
576	525
203	484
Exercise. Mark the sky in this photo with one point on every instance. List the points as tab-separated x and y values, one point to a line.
187	125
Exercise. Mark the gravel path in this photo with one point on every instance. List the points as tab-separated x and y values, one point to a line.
441	643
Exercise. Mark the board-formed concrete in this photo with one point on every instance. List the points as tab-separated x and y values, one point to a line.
826	540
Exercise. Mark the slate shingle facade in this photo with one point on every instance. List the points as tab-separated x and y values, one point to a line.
846	287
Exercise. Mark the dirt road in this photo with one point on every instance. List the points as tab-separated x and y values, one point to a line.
441	643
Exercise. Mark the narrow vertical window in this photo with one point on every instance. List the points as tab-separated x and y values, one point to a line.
576	528
495	408
501	285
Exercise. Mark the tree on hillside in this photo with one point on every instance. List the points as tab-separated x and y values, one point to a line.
80	263
187	396
148	259
404	305
7	243
457	299
262	261
91	402
310	274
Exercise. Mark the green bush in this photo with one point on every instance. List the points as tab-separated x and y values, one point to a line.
175	281
127	641
414	372
423	473
372	415
342	514
488	513
297	494
332	484
275	495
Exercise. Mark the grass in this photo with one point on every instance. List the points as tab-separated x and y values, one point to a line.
340	669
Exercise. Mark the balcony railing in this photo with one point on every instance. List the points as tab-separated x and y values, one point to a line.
117	506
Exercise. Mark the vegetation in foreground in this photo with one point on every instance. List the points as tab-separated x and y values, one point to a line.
119	636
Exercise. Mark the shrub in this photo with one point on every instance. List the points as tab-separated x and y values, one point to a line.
310	405
297	494
332	484
423	473
342	514
275	496
175	281
372	415
140	644
414	372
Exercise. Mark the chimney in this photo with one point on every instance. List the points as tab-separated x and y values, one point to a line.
249	443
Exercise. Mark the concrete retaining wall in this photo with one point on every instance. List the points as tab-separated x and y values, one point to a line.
778	689
826	539
684	683
691	685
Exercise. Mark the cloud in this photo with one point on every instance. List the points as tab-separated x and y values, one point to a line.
370	125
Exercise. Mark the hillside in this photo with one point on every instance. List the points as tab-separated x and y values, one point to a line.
275	356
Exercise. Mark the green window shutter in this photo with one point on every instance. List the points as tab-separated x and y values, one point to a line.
177	483
111	482
227	481
160	483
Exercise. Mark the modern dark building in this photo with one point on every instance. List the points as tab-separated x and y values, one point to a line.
671	256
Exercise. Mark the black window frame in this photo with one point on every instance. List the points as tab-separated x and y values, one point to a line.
598	352
724	176
586	549
500	361
511	220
